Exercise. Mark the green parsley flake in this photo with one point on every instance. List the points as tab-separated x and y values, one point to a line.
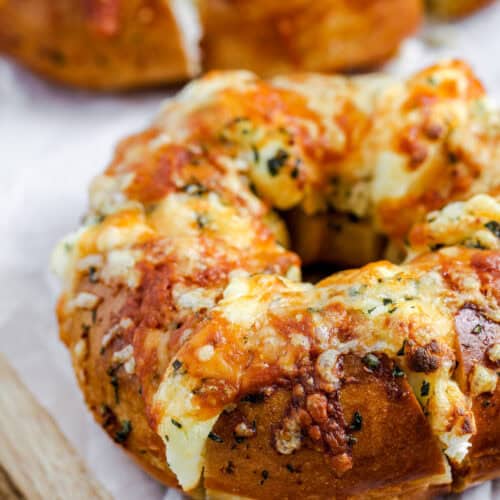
371	361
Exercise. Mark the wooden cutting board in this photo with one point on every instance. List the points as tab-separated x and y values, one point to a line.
36	460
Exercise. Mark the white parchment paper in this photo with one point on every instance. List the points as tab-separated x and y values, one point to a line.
52	142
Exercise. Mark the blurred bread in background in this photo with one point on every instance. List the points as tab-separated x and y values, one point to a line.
274	37
455	8
103	44
121	44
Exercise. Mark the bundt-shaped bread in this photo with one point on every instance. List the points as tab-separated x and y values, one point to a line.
201	352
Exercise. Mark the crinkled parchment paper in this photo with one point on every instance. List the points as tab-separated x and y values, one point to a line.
52	142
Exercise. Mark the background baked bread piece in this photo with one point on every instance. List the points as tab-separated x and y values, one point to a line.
271	36
103	44
455	8
115	44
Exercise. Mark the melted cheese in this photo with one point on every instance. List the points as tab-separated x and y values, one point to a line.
120	264
326	143
483	380
193	298
65	255
184	436
187	19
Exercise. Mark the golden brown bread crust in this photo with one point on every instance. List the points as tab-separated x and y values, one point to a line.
236	466
455	8
484	460
97	44
245	468
181	306
394	430
116	401
273	37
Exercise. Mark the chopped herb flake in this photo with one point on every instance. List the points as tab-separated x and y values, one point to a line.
313	310
256	155
265	476
424	390
85	330
477	329
353	217
371	361
436	246
202	221
257	397
123	433
177	424
275	163
229	468
93	278
114	382
351	440
401	352
215	437
177	364
356	422
494	227
397	372
108	416
386	301
195	189
474	244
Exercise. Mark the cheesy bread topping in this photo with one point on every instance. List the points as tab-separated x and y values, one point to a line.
209	309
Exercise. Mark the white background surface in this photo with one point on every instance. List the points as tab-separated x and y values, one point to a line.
52	142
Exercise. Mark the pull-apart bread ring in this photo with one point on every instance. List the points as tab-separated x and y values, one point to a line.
201	352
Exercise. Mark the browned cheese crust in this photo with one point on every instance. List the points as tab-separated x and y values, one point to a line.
199	350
